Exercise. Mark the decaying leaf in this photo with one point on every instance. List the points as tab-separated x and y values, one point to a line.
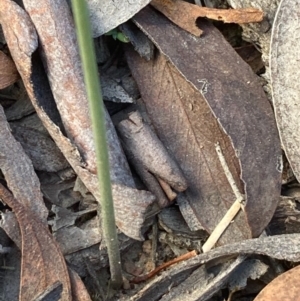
19	172
285	55
284	287
235	98
185	14
40	148
113	91
8	71
107	15
42	261
186	126
130	203
79	292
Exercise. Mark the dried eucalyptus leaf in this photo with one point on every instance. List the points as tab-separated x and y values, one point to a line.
107	15
285	55
235	97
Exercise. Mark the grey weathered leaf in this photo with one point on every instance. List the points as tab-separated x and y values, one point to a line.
106	15
282	247
18	171
285	56
40	148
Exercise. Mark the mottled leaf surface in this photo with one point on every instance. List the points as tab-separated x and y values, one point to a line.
107	15
236	99
285	55
187	127
284	287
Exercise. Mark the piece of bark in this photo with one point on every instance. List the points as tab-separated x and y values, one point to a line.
282	247
42	261
141	43
203	288
8	71
130	203
249	269
144	144
284	56
113	91
146	150
235	98
185	14
19	172
73	239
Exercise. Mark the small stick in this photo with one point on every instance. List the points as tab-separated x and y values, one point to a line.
233	210
164	266
228	174
154	243
221	227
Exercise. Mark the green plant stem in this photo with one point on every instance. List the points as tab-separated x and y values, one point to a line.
91	78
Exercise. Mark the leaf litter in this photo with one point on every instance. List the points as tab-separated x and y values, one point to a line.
196	93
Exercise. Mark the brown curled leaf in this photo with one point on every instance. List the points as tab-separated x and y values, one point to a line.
42	261
185	14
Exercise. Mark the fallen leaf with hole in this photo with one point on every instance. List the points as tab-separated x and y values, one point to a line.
185	14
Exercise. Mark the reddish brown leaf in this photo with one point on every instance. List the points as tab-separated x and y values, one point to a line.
42	261
185	14
8	71
235	98
283	288
79	292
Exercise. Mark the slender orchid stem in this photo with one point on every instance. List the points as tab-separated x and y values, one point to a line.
96	107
